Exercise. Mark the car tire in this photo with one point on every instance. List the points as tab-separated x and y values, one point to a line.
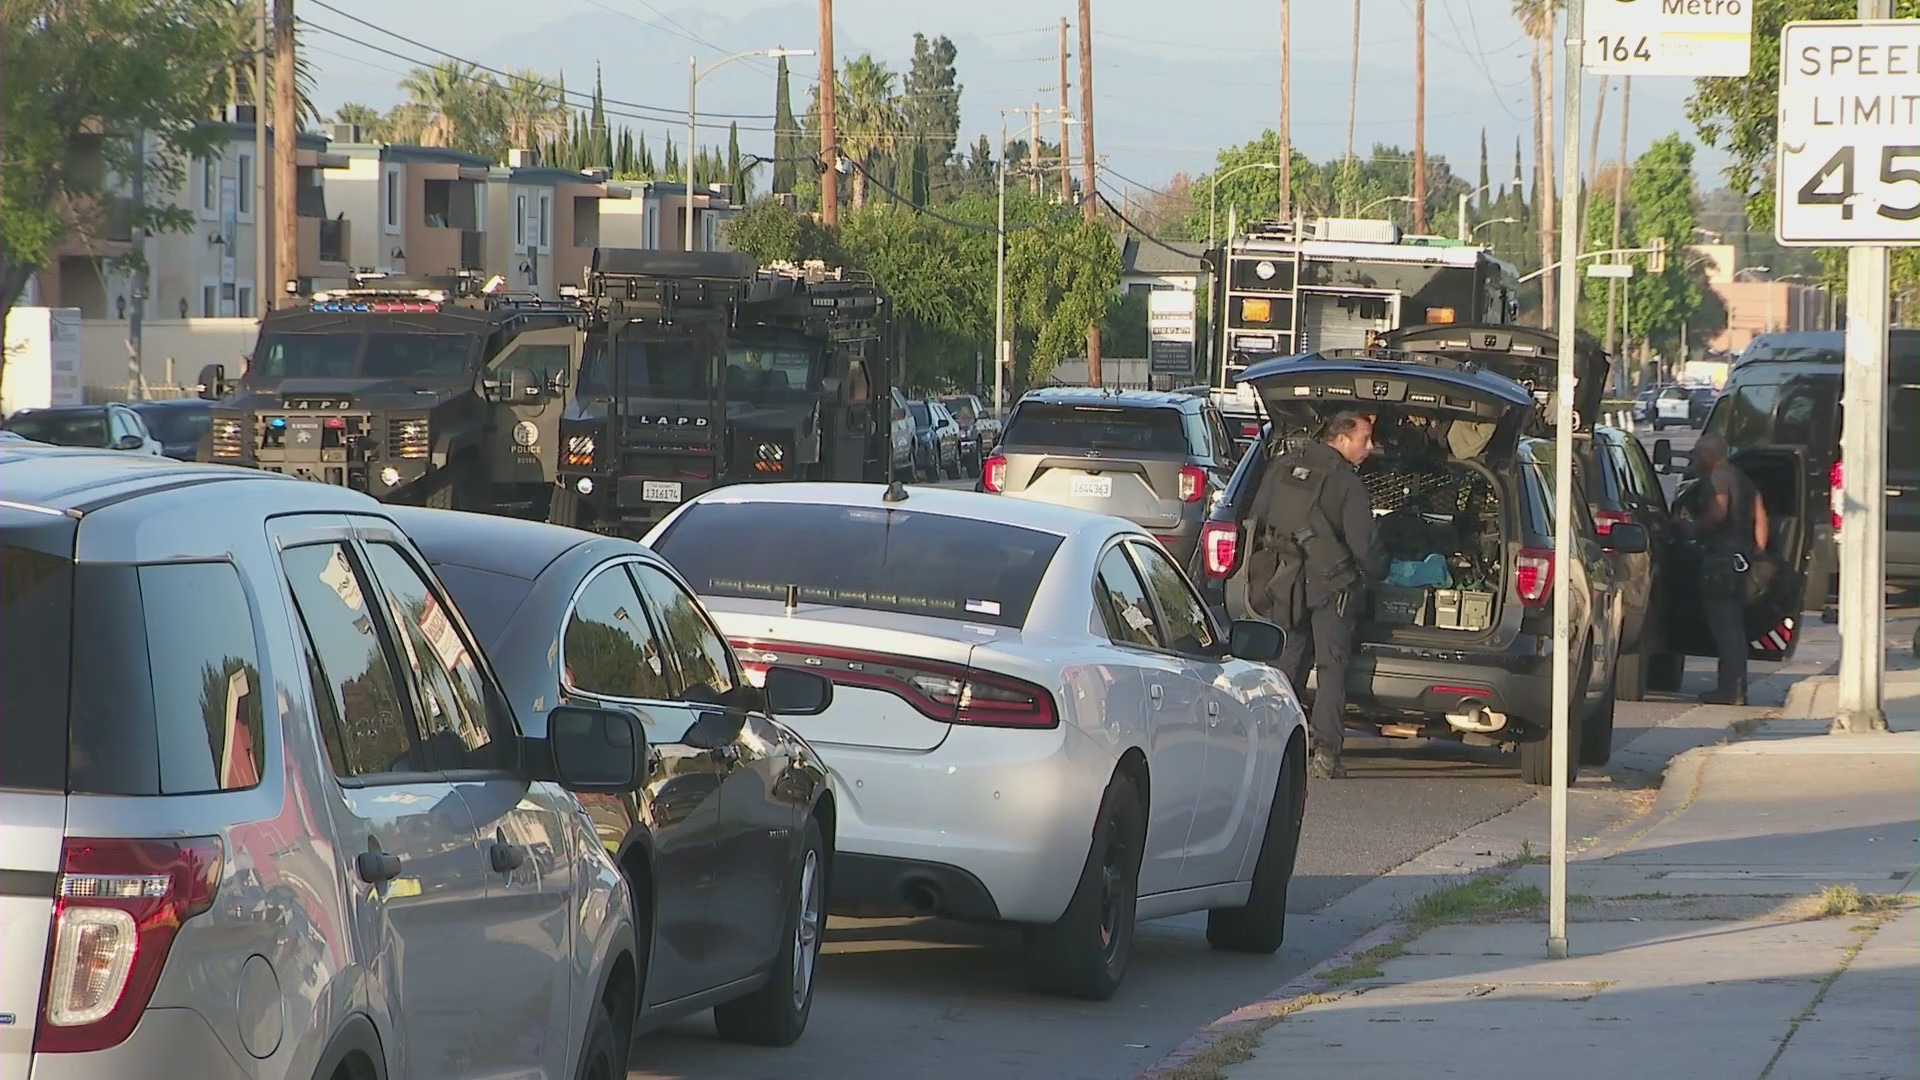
1536	755
1630	676
1084	954
953	470
1596	731
601	1055
1261	925
776	1014
1665	670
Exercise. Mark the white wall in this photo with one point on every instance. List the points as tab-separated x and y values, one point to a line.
355	192
189	344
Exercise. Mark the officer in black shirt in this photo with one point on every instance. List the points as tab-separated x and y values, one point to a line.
1315	552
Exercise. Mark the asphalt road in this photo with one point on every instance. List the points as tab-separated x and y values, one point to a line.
925	998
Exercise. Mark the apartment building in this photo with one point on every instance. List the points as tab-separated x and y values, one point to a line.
545	222
415	209
655	217
206	271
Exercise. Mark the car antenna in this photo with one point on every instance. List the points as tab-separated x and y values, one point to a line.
896	492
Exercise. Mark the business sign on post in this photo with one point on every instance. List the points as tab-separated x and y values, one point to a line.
1849	134
1690	38
1170	331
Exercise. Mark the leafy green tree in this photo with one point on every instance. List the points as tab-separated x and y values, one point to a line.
82	82
1738	116
533	107
367	118
931	106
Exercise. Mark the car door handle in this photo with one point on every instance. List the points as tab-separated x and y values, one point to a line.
375	865
1156	693
506	857
1213	714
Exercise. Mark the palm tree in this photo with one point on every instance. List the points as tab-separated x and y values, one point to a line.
241	20
533	106
368	119
871	123
440	102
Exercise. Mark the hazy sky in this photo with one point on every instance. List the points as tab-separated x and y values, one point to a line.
1166	96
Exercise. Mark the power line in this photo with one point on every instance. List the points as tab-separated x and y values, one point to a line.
1143	233
671	112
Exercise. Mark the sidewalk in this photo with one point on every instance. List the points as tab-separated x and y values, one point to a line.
1760	922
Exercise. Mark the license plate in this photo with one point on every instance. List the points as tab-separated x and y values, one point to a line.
667	491
1093	487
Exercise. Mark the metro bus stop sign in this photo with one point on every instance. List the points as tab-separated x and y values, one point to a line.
1849	134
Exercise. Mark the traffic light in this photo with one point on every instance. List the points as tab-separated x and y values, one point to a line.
1657	258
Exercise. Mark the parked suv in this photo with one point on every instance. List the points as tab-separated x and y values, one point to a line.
1156	459
264	809
1463	494
1780	413
1624	489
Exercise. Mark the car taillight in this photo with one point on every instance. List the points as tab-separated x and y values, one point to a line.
1836	498
993	474
949	693
1605	520
1220	541
1249	430
1193	483
119	904
1533	575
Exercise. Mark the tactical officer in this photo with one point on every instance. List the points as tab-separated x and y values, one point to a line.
1315	550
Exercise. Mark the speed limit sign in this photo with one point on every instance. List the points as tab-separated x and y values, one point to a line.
1849	134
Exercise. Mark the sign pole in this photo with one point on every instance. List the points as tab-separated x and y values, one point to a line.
1563	549
1847	177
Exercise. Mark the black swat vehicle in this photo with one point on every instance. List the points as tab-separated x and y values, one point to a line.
700	371
422	390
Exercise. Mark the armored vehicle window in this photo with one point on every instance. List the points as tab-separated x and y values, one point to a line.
399	355
769	369
543	359
307	356
651	367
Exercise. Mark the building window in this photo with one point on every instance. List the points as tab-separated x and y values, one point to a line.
246	301
246	185
393	200
519	221
209	185
546	219
209	301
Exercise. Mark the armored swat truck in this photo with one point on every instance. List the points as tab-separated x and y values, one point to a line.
423	390
700	370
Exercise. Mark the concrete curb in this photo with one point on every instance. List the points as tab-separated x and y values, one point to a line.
1287	999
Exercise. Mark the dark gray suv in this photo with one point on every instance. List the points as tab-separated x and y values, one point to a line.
1159	460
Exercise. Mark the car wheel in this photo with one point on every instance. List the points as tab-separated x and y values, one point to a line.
1630	676
1085	953
1596	731
1261	926
973	464
1536	756
776	1014
1665	670
601	1057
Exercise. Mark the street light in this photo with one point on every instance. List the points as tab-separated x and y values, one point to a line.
1213	191
1491	221
1465	233
694	75
1388	199
1002	348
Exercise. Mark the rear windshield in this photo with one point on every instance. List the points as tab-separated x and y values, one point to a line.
1096	427
36	610
62	428
165	695
176	423
854	557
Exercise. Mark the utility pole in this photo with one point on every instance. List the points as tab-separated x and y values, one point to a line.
1033	142
1353	98
1561	750
829	152
1089	183
262	251
1593	156
285	135
1286	110
1066	156
1619	203
693	83
137	308
1548	306
1419	116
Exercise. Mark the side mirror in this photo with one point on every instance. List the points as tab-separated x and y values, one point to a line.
793	692
213	382
1663	455
523	386
128	442
1628	538
596	750
1256	640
